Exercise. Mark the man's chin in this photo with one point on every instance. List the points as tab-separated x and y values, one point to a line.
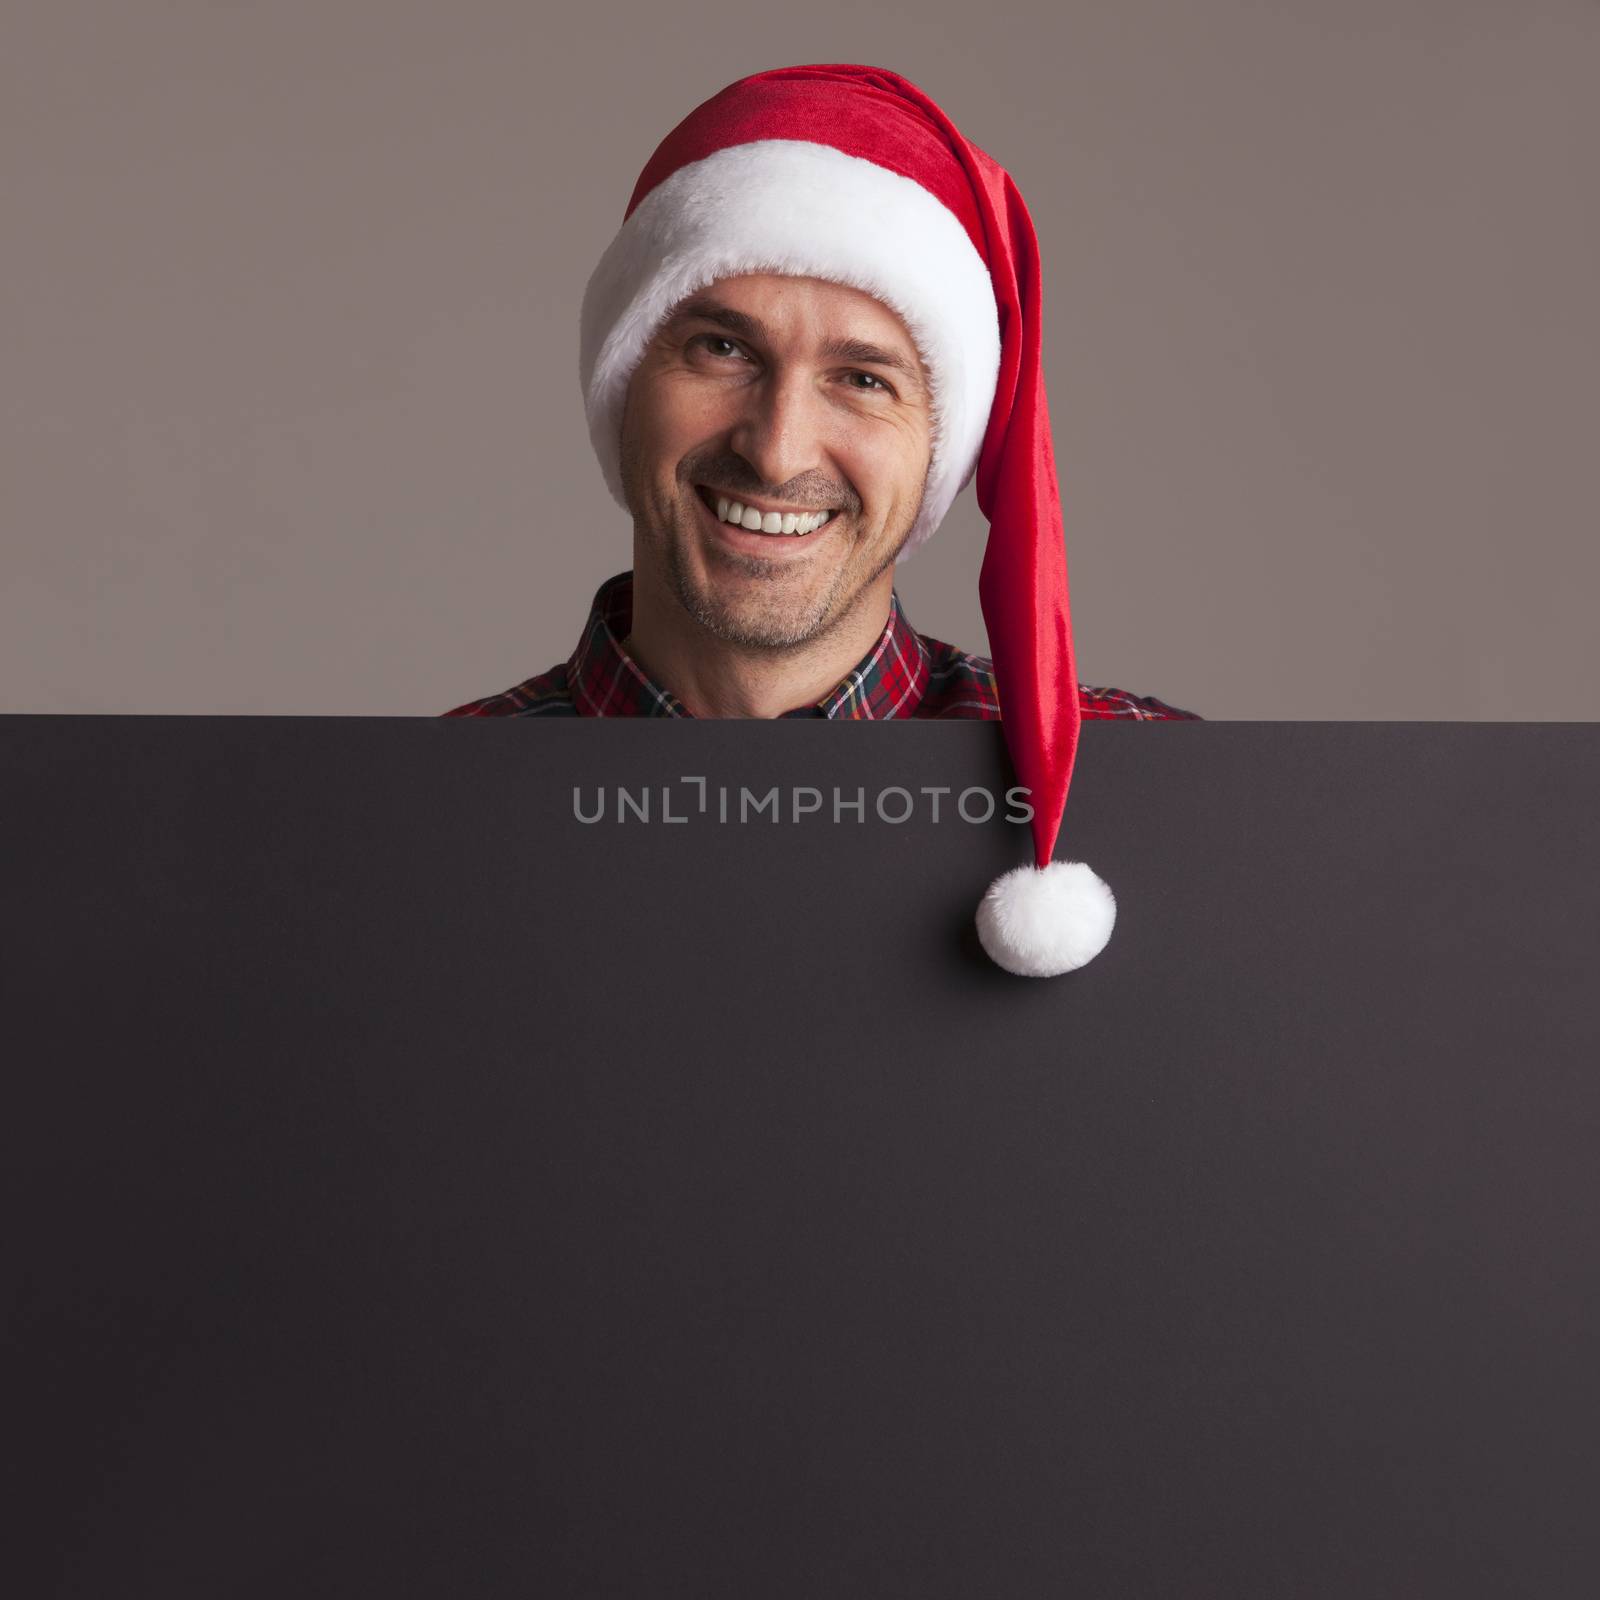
754	627
758	610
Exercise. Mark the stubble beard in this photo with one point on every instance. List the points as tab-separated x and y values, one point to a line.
773	620
761	618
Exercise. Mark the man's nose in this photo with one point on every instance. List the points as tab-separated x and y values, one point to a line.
780	432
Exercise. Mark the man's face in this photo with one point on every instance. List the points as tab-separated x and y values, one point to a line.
789	396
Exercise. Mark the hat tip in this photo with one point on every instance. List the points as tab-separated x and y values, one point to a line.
1039	922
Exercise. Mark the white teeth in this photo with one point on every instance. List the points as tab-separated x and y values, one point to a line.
790	522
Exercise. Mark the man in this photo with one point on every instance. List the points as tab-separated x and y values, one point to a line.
819	320
775	446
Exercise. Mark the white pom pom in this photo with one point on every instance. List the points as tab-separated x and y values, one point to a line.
1038	922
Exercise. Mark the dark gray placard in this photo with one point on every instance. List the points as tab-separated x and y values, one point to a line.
414	1190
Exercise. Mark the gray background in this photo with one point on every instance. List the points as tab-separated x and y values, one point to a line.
289	318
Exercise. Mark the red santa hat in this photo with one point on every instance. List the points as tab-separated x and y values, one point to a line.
853	175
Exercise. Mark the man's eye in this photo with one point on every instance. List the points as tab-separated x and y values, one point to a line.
710	342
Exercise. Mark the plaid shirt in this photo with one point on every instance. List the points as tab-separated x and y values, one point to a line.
904	674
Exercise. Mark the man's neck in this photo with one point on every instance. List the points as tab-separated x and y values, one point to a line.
713	678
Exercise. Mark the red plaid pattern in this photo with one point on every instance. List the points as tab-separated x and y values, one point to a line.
904	674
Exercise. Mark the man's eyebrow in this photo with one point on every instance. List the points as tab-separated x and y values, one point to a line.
724	317
748	327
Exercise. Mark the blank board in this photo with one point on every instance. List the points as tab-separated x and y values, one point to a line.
416	1189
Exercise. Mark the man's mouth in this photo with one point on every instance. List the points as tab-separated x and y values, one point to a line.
764	517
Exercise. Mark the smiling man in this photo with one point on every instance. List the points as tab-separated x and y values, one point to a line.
819	320
756	403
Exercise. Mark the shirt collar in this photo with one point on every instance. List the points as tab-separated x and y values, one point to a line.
605	681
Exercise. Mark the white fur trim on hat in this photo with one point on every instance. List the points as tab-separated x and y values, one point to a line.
807	210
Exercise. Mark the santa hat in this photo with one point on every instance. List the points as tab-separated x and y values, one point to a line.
853	175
